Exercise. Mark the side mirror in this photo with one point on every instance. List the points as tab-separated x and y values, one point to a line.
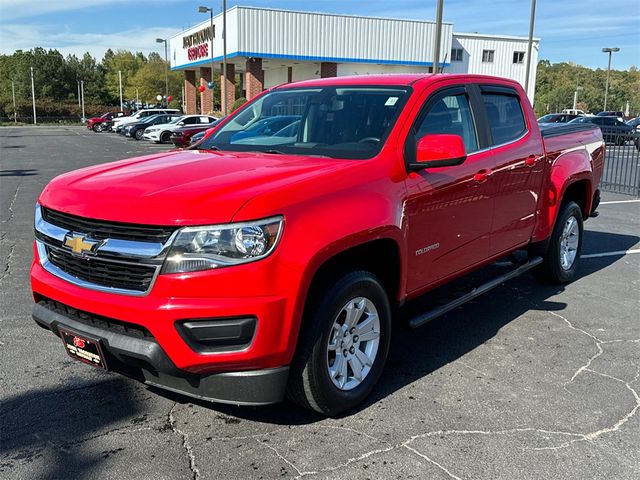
439	150
180	123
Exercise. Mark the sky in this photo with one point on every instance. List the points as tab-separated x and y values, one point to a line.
570	30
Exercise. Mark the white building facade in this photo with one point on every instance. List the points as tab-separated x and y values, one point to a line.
267	47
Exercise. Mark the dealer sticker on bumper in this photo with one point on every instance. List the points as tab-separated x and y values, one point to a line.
82	348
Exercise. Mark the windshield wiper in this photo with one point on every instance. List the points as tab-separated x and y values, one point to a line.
275	152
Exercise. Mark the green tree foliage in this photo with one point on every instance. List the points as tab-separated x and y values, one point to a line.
56	81
149	81
556	84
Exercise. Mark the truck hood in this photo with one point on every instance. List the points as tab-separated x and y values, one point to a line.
188	187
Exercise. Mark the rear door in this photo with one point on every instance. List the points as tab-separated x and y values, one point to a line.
516	147
448	209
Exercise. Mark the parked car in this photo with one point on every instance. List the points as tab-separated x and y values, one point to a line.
181	137
557	118
573	111
118	123
634	123
98	124
609	113
136	129
613	130
240	271
265	126
162	133
197	137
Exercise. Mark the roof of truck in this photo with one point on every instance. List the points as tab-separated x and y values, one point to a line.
395	79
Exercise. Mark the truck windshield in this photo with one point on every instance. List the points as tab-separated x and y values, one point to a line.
339	122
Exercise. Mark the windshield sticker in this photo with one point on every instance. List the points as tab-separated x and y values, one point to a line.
391	101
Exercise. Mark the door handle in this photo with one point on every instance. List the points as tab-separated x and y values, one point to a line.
481	176
531	160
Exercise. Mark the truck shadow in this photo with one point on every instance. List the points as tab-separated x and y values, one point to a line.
42	431
417	353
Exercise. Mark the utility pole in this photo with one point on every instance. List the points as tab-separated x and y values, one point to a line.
82	96
15	111
33	97
120	81
79	104
224	55
532	19
606	88
436	48
202	9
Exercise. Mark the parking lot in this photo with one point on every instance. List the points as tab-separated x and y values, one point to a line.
529	381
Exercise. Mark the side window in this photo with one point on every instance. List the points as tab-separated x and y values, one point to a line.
190	120
451	114
203	120
505	117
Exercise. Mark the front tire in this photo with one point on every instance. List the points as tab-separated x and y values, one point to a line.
343	345
560	262
165	137
98	127
138	135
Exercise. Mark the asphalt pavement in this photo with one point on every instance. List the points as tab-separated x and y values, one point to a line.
529	381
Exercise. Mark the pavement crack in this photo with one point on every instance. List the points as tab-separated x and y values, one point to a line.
430	460
7	266
283	458
171	421
11	204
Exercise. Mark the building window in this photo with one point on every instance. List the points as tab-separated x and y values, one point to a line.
487	56
456	54
518	57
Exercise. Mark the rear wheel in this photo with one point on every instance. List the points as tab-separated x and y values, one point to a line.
343	346
165	137
565	245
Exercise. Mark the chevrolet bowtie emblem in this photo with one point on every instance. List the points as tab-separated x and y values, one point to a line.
79	244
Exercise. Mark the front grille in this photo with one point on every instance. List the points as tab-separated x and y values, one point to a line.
102	229
98	321
105	273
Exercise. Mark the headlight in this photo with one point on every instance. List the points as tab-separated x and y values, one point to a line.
204	248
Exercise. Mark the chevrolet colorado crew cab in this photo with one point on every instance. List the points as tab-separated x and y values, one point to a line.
273	261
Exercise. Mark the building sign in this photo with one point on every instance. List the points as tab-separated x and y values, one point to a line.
199	51
201	36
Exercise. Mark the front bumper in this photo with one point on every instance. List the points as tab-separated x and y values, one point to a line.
153	136
135	354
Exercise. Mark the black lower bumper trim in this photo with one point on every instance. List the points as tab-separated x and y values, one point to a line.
144	360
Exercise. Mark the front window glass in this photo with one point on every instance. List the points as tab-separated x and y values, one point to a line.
339	122
451	115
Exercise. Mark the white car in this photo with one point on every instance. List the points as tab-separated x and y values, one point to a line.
162	133
120	122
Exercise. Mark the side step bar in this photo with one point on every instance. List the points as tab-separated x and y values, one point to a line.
426	317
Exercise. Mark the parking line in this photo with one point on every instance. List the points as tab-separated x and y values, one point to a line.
619	201
611	254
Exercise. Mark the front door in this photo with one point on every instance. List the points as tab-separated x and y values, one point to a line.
449	209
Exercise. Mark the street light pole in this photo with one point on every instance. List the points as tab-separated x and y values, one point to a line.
33	97
606	88
82	95
120	82
166	70
532	18
15	111
436	48
575	97
79	104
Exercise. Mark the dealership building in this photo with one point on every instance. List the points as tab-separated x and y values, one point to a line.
267	47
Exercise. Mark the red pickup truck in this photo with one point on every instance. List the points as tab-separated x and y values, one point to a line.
274	259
